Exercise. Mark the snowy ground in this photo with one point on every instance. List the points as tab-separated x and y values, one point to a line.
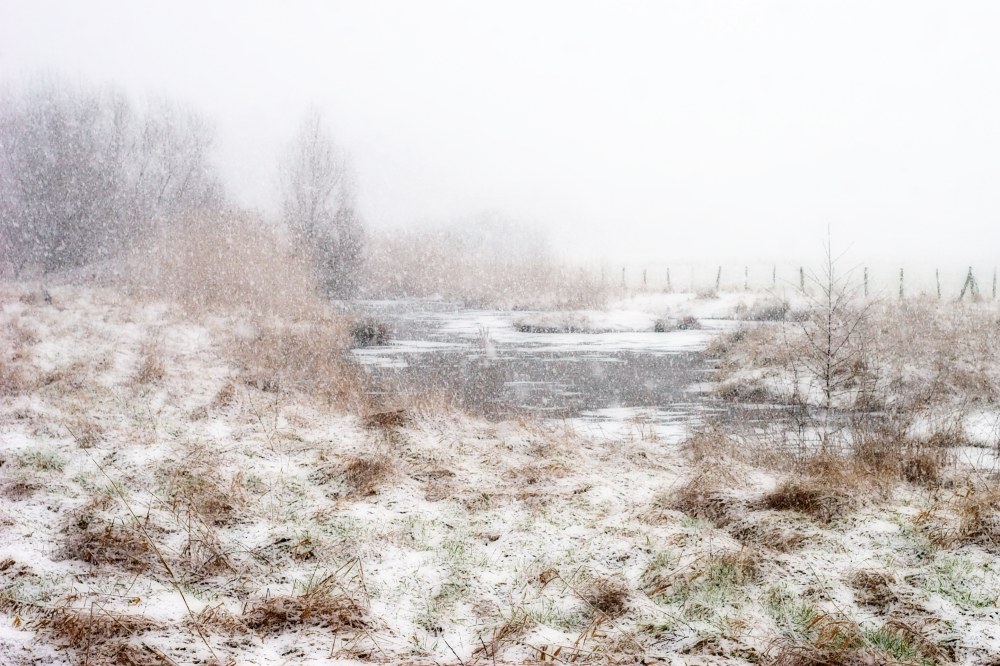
159	505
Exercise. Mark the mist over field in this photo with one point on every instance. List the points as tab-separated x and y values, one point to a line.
653	131
477	334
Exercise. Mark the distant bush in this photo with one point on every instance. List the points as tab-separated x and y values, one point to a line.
369	332
231	261
308	355
480	263
766	310
668	325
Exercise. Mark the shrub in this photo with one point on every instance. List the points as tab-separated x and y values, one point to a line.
368	332
768	310
230	262
481	263
308	356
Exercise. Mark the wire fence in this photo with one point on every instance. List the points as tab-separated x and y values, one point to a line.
881	280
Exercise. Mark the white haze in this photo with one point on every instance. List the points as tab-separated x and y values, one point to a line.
636	131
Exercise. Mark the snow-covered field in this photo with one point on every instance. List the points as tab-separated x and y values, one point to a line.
163	503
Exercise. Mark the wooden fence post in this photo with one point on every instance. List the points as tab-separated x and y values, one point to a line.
969	285
900	282
866	282
774	277
937	278
802	279
718	279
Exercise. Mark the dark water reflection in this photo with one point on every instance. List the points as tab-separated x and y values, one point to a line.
480	358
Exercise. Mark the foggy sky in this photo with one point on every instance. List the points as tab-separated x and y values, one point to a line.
637	130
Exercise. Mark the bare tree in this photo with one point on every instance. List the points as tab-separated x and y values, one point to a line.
171	172
318	191
82	175
835	348
63	168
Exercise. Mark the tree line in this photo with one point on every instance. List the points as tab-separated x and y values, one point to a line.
86	174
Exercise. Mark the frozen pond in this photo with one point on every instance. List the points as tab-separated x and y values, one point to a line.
605	381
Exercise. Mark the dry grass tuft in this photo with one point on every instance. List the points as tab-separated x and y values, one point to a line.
85	432
108	544
19	489
873	589
364	476
700	586
321	605
540	473
905	642
71	377
745	565
702	500
97	635
884	452
608	597
479	265
219	620
225	397
12	380
310	356
151	368
705	495
387	420
824	486
837	642
970	517
506	634
712	444
812	496
924	467
768	530
201	493
746	391
204	553
83	628
304	549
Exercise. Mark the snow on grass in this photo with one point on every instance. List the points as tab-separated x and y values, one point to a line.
218	520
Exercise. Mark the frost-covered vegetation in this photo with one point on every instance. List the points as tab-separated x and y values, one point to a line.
485	261
195	468
93	186
218	484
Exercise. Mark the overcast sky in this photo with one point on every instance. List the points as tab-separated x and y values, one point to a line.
665	130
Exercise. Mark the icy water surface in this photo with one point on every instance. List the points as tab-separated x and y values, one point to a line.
606	381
